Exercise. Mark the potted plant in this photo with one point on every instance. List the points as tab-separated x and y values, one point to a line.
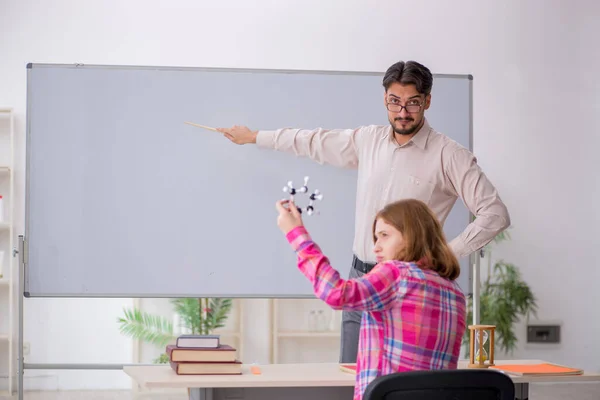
197	315
504	298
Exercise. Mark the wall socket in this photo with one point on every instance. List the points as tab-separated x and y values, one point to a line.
543	334
26	348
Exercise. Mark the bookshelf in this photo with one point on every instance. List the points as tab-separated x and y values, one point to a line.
304	330
8	276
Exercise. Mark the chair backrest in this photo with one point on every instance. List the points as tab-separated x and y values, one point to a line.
458	384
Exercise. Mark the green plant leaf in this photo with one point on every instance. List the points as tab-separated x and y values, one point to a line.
146	327
162	359
504	298
220	309
189	311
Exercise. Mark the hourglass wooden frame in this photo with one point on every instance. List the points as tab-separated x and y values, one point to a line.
479	330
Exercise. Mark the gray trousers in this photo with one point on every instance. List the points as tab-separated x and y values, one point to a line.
350	329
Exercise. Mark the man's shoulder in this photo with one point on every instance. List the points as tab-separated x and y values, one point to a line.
447	146
371	136
379	129
444	141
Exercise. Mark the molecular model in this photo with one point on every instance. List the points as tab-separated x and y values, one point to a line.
316	195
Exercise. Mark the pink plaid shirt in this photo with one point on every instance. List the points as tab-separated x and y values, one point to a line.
413	320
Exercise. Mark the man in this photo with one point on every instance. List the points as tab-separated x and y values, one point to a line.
407	159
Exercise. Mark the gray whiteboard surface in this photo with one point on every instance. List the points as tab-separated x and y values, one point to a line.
125	200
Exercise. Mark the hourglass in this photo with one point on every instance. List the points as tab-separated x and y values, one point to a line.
479	356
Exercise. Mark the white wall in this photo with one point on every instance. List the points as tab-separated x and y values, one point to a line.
536	117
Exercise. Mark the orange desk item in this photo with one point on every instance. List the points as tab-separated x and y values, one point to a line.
348	367
537	369
255	369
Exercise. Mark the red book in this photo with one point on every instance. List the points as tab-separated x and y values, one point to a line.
223	353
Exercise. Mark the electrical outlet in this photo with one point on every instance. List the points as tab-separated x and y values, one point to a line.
26	349
543	334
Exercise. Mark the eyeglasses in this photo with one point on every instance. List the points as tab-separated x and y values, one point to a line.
410	108
413	105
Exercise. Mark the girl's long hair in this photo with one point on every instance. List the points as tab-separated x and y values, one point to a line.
423	235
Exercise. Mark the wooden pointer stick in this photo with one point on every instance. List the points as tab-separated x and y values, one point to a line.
202	126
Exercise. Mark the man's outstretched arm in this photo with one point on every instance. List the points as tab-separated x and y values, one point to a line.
338	147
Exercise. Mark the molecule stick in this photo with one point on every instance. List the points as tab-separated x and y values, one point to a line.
310	209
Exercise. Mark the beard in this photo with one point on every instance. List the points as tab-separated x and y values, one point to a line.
406	131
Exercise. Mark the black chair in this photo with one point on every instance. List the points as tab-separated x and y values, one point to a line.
457	384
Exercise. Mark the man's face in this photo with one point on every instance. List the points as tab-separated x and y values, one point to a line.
405	120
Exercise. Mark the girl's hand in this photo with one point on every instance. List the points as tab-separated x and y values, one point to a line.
289	217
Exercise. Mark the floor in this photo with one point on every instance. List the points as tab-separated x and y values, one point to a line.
581	391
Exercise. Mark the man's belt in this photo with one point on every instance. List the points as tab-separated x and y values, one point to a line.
361	265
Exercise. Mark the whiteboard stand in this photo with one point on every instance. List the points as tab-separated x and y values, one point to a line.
476	286
21	365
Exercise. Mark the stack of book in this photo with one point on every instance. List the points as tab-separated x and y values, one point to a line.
203	355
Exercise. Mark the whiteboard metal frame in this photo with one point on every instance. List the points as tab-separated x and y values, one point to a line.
30	66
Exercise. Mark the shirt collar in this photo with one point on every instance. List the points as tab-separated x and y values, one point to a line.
419	139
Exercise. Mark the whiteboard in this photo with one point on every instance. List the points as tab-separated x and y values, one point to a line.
125	200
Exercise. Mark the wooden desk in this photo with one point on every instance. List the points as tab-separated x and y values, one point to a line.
296	381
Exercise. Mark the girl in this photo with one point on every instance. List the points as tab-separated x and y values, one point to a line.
413	310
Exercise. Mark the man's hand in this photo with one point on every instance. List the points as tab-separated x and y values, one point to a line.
289	217
239	134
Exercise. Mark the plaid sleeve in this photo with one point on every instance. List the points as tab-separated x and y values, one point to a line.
371	292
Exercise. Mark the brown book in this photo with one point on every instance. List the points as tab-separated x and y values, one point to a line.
210	368
223	353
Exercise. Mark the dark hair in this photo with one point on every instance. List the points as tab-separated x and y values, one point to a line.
424	239
407	73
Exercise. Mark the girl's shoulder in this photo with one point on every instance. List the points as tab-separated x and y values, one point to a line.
412	269
404	266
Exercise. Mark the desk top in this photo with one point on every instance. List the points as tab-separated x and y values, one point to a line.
286	375
272	375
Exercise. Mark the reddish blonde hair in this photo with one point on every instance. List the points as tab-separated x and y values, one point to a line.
423	235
